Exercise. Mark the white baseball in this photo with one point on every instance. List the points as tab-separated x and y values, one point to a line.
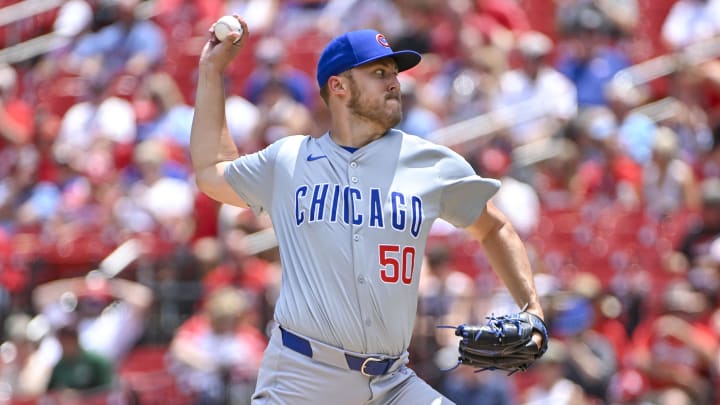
225	25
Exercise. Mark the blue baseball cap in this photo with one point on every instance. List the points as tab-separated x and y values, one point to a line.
357	48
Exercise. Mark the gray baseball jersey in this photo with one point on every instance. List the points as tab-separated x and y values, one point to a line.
352	229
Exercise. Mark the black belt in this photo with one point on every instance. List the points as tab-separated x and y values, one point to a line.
368	366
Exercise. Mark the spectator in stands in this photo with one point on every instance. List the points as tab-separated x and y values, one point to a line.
24	200
689	116
445	298
341	15
606	310
242	117
556	177
109	314
669	184
297	17
624	16
465	386
261	15
590	59
695	242
591	360
19	379
497	22
619	17
704	276
147	207
197	15
99	122
677	349
79	372
531	85
74	18
474	82
711	285
25	203
16	116
132	45
84	207
709	165
428	27
508	14
636	130
418	118
217	352
47	126
689	22
606	172
516	199
250	259
88	185
241	266
168	117
280	114
272	66
551	387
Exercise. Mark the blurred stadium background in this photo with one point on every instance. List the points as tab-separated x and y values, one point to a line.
600	116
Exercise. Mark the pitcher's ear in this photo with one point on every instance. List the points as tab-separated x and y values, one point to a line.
335	84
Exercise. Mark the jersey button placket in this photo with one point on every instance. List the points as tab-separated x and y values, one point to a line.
354	179
353	172
361	279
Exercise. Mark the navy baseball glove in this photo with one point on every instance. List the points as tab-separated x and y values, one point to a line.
504	343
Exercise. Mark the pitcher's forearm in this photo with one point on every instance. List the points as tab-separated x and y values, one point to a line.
506	254
210	141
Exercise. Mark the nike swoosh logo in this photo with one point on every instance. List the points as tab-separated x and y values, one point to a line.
310	157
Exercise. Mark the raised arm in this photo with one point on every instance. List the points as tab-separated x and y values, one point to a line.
211	146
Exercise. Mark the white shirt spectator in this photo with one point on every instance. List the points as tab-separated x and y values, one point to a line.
516	87
563	392
242	117
167	198
520	203
86	122
259	14
530	87
73	17
112	334
690	21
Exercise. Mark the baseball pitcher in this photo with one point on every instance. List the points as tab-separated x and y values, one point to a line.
352	210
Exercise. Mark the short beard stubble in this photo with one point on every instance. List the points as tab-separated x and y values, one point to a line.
372	110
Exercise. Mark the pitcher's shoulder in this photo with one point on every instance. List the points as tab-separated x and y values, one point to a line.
416	144
291	141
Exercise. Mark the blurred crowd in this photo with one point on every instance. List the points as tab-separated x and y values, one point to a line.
610	167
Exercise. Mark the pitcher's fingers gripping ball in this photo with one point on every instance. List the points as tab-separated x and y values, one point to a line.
225	25
504	343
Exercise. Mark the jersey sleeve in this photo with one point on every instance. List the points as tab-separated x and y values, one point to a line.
251	176
464	193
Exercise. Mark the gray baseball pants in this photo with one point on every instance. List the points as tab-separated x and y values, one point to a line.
289	377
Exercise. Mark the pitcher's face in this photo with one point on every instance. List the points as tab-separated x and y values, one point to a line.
375	93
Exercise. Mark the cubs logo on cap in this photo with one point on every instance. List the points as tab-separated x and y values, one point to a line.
357	48
382	41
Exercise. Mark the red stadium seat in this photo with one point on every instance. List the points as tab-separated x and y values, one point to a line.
61	92
303	52
144	374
